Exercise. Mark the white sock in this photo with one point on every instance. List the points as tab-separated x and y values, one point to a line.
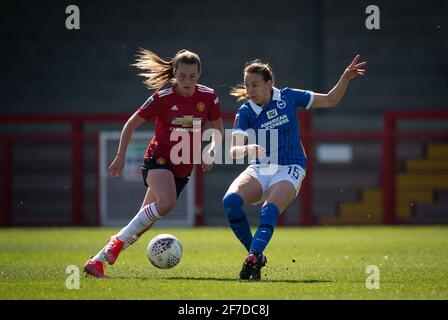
133	239
100	255
144	218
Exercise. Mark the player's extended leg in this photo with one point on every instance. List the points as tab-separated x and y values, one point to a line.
245	189
165	198
149	198
279	196
159	200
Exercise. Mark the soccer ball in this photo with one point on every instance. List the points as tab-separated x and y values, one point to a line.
164	251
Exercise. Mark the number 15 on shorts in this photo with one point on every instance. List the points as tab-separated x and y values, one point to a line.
294	172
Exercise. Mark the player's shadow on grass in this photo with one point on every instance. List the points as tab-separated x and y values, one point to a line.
238	280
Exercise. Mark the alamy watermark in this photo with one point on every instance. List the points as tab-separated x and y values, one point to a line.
187	149
373	280
72	281
73	21
373	20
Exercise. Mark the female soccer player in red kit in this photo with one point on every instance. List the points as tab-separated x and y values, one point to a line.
183	107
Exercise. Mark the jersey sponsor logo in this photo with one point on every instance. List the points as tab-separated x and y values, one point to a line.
200	106
160	161
281	104
272	113
174	108
277	122
186	121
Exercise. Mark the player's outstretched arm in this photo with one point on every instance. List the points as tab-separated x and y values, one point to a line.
332	98
126	134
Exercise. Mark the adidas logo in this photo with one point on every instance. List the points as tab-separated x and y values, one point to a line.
174	108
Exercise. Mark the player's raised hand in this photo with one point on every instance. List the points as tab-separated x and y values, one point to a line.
116	166
355	69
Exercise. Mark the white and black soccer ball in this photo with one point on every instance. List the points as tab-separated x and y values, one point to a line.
164	251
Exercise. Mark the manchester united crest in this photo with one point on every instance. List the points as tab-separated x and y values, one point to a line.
200	106
160	161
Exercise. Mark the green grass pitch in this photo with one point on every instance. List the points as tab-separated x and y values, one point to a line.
303	263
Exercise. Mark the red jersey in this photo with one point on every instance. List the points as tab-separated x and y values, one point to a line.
174	112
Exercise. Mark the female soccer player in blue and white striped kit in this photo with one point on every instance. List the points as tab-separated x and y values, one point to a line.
267	108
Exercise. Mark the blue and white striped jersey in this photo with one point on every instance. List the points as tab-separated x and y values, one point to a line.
281	114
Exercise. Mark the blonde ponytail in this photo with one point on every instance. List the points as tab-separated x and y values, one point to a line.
240	92
158	72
